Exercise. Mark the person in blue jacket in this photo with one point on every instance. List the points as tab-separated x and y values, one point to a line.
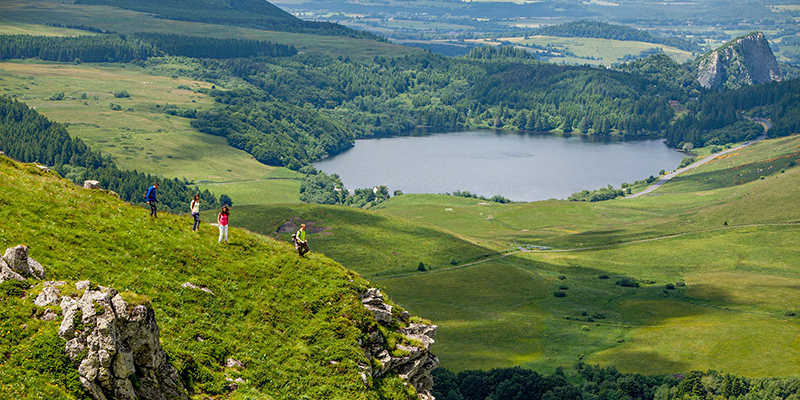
151	199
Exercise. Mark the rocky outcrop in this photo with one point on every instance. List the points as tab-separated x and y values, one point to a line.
742	61
17	265
412	360
117	347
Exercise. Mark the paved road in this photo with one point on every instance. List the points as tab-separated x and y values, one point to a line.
696	164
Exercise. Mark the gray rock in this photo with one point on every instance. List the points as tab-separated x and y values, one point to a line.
7	274
233	363
17	259
742	61
82	285
90	184
49	315
50	295
190	285
117	341
55	283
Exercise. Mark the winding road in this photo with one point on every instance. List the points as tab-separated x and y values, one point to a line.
696	164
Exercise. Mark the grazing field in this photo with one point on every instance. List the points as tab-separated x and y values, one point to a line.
604	51
700	294
140	135
125	21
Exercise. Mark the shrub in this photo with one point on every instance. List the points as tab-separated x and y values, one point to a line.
114	106
13	288
627	282
57	96
559	293
562	277
421	267
563	287
603	276
669	286
121	94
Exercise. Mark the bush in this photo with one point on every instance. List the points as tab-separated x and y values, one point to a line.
627	282
563	287
421	267
114	106
559	293
603	276
13	288
562	277
121	94
669	286
57	96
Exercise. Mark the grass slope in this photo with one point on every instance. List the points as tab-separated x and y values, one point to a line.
126	21
295	323
140	136
732	286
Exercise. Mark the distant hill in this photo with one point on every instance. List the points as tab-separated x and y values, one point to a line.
602	30
247	13
742	61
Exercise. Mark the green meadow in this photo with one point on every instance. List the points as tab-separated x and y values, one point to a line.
125	21
714	254
140	135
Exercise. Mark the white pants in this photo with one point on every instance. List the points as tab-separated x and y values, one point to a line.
223	231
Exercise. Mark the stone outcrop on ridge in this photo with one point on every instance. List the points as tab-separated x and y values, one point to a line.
742	61
417	361
16	264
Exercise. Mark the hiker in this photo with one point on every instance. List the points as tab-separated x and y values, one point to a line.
151	199
222	220
195	207
300	242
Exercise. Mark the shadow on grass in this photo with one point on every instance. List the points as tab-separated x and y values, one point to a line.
640	361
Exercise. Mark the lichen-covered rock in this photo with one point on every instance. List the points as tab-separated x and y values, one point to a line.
742	61
91	184
415	366
50	295
373	301
8	274
116	342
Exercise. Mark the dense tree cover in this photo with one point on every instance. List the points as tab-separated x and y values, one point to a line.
602	30
274	132
139	46
606	193
321	188
663	70
27	136
248	13
500	52
588	382
496	198
206	47
718	118
88	48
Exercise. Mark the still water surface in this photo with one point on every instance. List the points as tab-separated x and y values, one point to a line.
522	166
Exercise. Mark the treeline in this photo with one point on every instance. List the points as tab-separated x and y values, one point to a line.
274	132
27	136
206	47
588	382
138	46
606	193
88	48
718	118
321	188
602	30
247	13
499	52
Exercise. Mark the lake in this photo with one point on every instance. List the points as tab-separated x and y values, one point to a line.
522	166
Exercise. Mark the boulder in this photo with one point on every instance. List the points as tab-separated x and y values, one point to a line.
116	341
7	274
91	184
50	295
18	260
373	301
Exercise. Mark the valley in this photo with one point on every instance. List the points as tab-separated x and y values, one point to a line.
699	275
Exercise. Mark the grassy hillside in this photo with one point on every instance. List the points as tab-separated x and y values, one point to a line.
709	295
140	135
295	323
127	21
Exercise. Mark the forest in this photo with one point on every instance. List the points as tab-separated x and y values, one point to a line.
591	382
27	136
135	47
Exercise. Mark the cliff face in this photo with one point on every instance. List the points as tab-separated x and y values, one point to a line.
742	61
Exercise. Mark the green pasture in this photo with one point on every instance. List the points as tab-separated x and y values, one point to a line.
125	21
18	28
296	323
607	51
140	136
373	245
